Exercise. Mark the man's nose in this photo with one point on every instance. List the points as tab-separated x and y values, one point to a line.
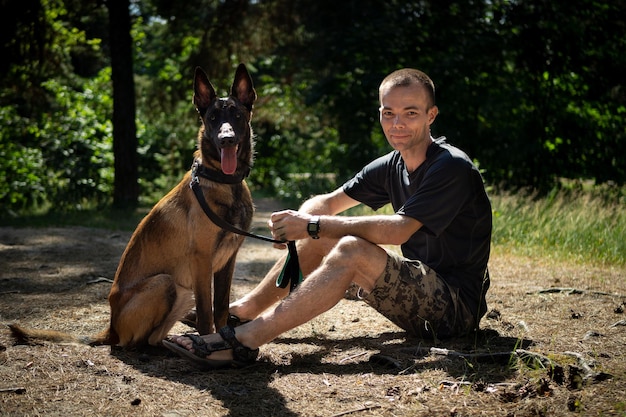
396	120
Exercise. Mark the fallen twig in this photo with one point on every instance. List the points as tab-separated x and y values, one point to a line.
481	356
542	359
385	360
99	279
352	357
618	323
13	390
356	410
568	290
455	385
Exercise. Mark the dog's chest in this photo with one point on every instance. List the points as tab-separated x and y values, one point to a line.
223	243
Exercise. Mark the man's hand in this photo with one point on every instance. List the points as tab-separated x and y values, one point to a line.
288	225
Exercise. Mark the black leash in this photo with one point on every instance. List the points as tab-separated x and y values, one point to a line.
291	274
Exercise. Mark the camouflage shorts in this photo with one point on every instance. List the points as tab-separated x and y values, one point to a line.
414	297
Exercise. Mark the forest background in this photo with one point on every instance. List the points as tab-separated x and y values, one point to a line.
95	96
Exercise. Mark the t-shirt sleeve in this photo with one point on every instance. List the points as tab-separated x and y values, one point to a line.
369	186
441	195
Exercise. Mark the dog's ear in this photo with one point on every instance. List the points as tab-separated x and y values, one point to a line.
203	91
242	88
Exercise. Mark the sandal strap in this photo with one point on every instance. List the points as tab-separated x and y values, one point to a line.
202	348
240	352
235	321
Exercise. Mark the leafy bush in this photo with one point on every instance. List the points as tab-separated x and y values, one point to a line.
24	184
61	158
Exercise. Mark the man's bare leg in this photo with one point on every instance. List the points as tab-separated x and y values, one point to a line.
266	293
351	260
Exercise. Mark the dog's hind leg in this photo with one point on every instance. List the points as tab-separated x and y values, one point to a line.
183	303
139	314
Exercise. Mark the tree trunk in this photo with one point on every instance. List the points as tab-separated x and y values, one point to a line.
125	185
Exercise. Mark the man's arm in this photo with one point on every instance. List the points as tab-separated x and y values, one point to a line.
391	229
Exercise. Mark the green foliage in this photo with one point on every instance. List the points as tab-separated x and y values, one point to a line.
55	137
78	142
22	168
533	89
553	103
294	149
63	158
345	63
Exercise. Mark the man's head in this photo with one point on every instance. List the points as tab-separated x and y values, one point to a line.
407	109
407	77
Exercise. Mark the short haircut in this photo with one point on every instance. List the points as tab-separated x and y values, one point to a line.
406	77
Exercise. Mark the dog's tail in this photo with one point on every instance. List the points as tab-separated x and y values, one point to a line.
28	336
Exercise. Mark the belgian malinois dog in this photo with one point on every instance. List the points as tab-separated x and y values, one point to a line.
177	257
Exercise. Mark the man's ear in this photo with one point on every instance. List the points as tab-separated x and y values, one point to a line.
432	114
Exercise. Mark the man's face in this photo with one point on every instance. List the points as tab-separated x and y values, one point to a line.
406	116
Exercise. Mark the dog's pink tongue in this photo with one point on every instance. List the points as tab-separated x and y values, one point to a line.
229	160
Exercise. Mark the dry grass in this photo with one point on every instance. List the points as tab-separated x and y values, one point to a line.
349	361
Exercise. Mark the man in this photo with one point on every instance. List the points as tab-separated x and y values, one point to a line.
442	220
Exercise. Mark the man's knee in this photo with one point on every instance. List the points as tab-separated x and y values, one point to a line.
349	247
356	252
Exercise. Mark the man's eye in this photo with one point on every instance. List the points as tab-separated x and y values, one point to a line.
387	114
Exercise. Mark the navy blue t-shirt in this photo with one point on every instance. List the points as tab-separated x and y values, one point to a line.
447	195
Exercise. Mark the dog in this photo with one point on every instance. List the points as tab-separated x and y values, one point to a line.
177	257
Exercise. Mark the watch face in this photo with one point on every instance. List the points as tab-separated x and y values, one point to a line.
313	227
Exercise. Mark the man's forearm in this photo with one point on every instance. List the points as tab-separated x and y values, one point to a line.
378	229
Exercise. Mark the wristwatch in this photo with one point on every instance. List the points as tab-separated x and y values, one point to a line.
314	227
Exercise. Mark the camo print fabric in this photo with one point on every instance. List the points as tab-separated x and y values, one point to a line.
414	297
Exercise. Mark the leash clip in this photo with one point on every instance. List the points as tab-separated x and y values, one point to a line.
194	181
194	174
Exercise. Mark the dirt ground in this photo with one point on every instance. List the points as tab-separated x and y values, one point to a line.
553	343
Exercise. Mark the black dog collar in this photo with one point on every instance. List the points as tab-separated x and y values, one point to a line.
199	170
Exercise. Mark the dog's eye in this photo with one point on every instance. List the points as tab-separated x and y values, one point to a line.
212	117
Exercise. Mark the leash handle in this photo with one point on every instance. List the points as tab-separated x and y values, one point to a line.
290	274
